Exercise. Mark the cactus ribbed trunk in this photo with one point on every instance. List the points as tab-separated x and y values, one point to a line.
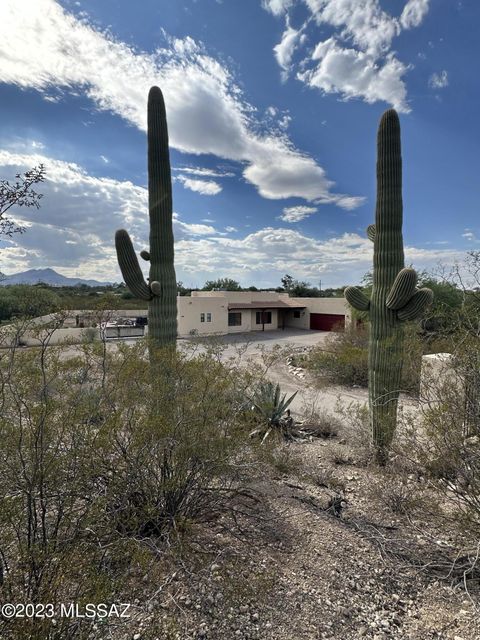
162	308
395	298
161	290
386	331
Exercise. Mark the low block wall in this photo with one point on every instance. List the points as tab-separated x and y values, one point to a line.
60	336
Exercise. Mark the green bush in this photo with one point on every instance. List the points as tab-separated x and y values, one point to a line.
26	301
343	358
100	463
442	439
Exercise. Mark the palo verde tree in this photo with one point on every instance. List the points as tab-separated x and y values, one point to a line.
395	298
161	289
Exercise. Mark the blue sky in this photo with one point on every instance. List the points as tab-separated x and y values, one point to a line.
272	107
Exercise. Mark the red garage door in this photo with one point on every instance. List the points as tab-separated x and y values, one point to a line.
326	321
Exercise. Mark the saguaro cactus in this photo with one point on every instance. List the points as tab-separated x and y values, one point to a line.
161	290
394	298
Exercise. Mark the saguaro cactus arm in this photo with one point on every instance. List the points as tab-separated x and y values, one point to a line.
357	299
402	289
131	272
417	304
371	232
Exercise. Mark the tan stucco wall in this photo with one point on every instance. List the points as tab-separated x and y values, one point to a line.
242	296
189	315
297	323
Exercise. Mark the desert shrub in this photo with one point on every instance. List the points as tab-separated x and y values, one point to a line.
357	431
280	457
340	455
327	478
26	301
322	422
96	457
443	438
169	452
89	334
343	359
397	494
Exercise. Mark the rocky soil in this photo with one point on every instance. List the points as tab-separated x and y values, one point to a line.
288	567
321	546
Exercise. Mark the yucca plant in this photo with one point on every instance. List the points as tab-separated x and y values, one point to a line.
268	402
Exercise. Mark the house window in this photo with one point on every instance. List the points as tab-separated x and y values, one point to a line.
234	319
202	317
209	317
264	317
296	314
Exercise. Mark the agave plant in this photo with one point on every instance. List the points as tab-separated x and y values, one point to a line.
272	407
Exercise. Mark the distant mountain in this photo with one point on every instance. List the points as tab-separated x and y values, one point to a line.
48	276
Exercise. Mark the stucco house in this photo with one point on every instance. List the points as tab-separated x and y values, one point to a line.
206	313
222	312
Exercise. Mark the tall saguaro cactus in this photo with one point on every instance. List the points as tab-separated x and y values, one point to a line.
161	290
395	297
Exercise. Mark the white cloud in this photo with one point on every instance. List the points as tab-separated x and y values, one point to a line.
469	235
361	21
355	74
205	187
438	80
356	60
285	49
68	230
263	257
192	229
298	213
67	233
350	202
273	251
413	13
277	7
293	174
207	113
231	229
